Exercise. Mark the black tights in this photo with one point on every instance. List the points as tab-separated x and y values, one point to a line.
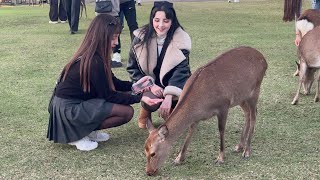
120	114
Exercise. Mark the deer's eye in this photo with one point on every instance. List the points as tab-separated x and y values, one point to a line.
152	154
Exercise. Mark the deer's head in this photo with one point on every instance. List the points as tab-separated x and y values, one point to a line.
156	147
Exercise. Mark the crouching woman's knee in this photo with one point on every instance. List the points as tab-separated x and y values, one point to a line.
129	113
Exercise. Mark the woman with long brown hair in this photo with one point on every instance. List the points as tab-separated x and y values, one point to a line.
88	97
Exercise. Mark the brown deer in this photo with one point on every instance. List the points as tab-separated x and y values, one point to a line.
309	19
305	22
232	79
309	57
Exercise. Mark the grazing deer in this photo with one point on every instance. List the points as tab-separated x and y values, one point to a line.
83	6
309	57
305	23
232	79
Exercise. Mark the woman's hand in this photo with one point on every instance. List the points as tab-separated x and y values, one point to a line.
165	108
156	90
150	101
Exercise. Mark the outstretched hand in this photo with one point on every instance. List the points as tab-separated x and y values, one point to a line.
149	101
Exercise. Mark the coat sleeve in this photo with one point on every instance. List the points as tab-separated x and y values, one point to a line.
101	87
180	75
133	67
121	85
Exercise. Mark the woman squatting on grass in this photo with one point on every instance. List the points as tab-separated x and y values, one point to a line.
88	97
160	50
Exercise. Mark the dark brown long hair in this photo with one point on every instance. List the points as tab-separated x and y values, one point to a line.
291	9
97	40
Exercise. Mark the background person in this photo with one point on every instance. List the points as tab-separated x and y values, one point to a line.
315	4
57	11
160	50
88	97
128	10
114	11
73	12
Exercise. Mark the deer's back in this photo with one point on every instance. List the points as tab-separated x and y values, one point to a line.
309	48
232	77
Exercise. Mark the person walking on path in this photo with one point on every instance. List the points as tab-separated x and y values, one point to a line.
315	4
113	11
128	9
57	11
73	12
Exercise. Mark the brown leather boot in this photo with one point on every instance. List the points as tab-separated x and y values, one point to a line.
142	119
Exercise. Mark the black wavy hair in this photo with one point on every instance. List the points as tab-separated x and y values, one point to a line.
148	29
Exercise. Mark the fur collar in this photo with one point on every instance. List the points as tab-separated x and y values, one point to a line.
173	56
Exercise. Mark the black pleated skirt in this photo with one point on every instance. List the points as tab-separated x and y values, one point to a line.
72	119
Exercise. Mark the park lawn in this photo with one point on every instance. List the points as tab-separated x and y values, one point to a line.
32	53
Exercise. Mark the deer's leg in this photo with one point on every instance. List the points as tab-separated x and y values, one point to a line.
222	119
246	110
85	9
303	70
252	104
81	9
182	154
317	98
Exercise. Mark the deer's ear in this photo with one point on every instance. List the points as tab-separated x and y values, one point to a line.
149	125
163	132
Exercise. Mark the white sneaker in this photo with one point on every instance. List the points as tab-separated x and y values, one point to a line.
53	22
84	144
98	136
116	57
63	22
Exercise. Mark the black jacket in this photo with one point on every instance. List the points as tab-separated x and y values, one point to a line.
175	69
71	87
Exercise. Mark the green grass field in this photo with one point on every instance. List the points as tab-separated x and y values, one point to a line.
33	52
